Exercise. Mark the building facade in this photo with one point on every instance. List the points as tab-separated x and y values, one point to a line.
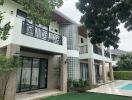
50	54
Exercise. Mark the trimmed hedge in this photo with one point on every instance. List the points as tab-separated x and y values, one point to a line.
123	75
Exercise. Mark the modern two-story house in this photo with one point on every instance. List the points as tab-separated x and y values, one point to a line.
43	50
50	54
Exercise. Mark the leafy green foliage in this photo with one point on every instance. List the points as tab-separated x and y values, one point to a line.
80	83
1	2
125	62
5	29
123	75
102	17
8	64
124	13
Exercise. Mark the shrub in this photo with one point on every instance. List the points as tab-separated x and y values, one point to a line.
80	86
123	75
80	83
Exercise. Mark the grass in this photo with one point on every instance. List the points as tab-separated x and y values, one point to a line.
87	96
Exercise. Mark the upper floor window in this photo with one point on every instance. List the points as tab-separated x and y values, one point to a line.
21	13
82	40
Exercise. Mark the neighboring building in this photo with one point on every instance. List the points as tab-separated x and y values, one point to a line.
115	54
48	48
95	61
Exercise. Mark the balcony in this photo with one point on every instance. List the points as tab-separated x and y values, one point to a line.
40	33
106	53
83	49
97	50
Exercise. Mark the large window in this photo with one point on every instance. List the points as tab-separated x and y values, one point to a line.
84	71
32	74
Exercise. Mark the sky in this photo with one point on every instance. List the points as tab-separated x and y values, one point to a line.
70	10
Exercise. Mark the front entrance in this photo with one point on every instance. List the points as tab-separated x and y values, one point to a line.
32	75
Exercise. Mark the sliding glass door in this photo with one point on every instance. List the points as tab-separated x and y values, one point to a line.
32	75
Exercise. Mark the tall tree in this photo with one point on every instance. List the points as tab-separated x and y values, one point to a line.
102	18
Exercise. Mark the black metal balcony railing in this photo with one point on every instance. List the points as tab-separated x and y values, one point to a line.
40	33
107	53
83	49
97	50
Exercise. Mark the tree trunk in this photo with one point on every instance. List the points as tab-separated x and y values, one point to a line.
4	82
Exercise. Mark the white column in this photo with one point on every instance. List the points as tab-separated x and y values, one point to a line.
104	72
63	80
91	67
111	72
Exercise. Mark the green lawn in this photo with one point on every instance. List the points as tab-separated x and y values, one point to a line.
87	96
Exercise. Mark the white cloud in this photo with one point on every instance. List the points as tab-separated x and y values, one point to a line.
70	10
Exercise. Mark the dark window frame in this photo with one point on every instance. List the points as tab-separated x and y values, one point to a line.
82	40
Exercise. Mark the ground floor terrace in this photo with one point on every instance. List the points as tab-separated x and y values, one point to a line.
96	71
38	70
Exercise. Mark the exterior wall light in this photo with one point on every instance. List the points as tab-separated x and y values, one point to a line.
12	12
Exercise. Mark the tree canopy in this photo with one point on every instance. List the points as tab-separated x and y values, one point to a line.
39	11
102	18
